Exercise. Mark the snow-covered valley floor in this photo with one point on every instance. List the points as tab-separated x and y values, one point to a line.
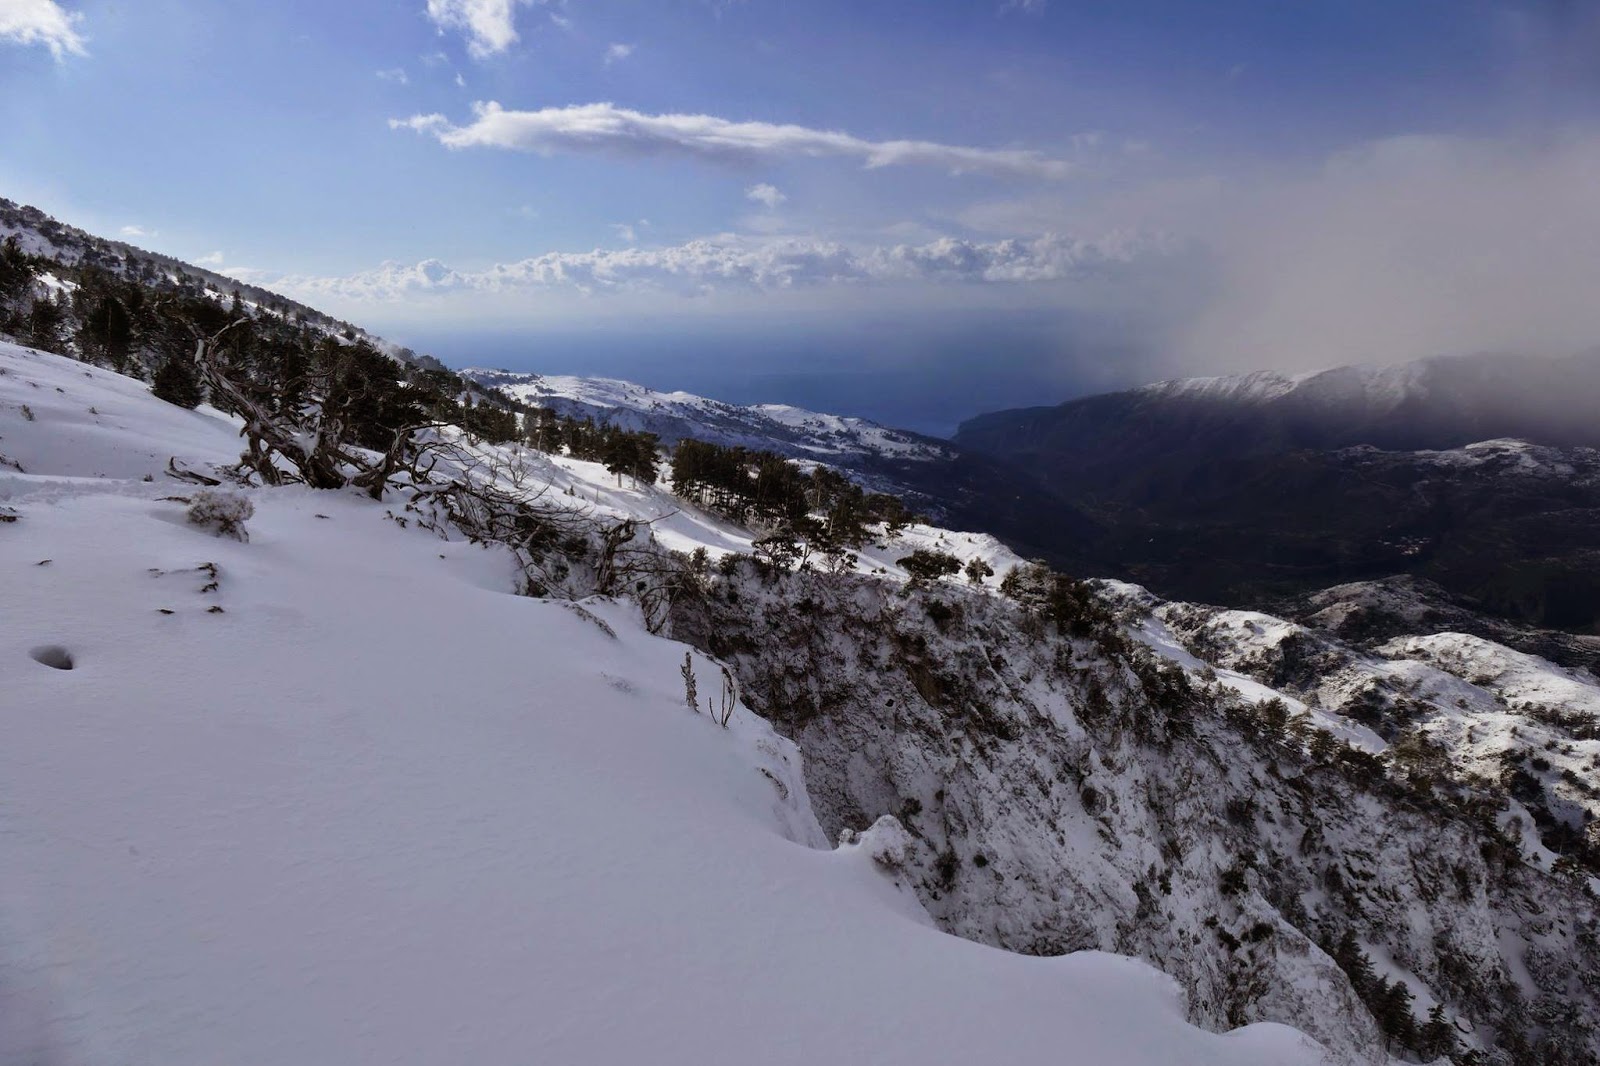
357	803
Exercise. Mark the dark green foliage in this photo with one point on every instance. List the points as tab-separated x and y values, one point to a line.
928	565
493	423
1437	1037
362	387
44	324
1071	604
16	271
1390	1004
816	511
177	381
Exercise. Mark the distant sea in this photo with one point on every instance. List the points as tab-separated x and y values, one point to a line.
925	376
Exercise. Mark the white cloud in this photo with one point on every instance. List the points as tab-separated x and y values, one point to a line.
396	75
615	53
136	231
489	25
1030	7
625	232
42	22
732	263
770	195
214	259
604	127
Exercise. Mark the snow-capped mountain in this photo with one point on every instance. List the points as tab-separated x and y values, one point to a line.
1039	796
1438	403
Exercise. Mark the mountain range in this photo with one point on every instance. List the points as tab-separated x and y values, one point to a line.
443	743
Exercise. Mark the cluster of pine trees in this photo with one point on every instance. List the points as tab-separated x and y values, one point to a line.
815	511
1390	1003
633	453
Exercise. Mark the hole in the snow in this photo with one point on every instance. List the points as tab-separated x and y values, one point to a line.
54	656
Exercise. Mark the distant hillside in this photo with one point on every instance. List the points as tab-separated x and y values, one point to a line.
1175	427
959	488
1477	473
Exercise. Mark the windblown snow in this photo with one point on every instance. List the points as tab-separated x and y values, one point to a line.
334	795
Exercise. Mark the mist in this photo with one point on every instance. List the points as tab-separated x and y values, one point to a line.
1398	249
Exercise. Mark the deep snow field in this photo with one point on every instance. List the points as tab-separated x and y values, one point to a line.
376	809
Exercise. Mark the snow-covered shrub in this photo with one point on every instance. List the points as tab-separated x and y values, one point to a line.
221	511
886	841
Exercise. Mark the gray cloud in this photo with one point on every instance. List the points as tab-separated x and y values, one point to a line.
606	128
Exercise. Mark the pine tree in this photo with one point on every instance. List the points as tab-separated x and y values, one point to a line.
1437	1038
16	272
177	381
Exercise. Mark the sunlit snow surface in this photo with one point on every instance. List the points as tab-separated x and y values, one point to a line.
378	810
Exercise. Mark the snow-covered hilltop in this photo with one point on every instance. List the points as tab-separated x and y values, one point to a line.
793	431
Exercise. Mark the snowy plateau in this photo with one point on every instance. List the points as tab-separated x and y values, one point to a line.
333	794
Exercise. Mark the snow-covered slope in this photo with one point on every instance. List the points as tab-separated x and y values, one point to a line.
792	431
334	795
1451	702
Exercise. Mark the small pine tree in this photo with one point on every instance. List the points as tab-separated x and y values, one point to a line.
177	381
977	570
1437	1038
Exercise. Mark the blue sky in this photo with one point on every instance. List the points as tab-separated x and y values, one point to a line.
1107	191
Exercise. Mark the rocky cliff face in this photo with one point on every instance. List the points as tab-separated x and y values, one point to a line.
1073	777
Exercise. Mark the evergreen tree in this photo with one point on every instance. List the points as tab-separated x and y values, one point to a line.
1437	1038
16	272
177	381
44	324
928	565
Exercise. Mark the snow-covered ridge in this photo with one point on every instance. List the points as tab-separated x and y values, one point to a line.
1371	386
791	431
36	233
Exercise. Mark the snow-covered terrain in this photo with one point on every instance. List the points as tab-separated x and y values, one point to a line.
1380	387
790	431
333	794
